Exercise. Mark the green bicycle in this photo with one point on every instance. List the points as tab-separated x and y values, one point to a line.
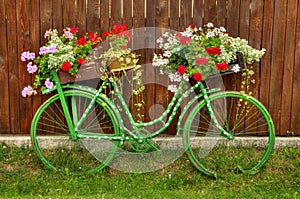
81	129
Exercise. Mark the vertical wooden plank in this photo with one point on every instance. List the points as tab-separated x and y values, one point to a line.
69	13
93	11
174	14
4	91
295	116
221	13
58	15
265	71
148	74
116	12
12	45
210	11
104	15
35	41
233	10
198	12
185	14
244	25
81	18
255	37
127	13
24	78
289	55
45	18
277	61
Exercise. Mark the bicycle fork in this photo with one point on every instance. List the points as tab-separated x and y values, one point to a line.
225	133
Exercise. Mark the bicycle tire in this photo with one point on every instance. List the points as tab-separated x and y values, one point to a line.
51	137
245	118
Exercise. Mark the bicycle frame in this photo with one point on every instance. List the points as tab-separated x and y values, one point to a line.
171	109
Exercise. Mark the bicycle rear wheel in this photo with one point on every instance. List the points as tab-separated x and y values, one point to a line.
50	134
242	116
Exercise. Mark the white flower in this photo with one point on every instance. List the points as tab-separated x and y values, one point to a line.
172	88
175	77
222	29
167	53
210	25
236	68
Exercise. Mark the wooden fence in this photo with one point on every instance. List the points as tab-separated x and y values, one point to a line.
272	24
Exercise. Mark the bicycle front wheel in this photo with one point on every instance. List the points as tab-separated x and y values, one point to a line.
50	134
242	116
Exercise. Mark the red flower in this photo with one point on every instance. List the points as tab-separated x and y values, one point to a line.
93	37
192	26
81	41
185	40
124	47
66	66
222	66
80	60
74	29
213	51
197	77
106	34
181	69
201	60
178	34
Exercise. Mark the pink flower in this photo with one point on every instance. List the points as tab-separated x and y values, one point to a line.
28	91
31	68
201	60
27	56
197	76
48	83
185	40
181	69
43	50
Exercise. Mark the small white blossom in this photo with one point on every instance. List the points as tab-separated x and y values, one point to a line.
210	25
172	88
236	68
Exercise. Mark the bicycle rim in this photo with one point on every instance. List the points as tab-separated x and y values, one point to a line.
51	137
246	119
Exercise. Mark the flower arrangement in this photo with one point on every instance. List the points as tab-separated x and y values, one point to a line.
119	56
200	52
64	52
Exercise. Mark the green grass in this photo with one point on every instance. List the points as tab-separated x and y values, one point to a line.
22	175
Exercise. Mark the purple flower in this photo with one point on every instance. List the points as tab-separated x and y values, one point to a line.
52	48
31	68
43	50
28	91
48	83
68	35
27	56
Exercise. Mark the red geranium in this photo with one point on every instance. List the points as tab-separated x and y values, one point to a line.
222	66
198	77
93	37
181	69
185	40
66	66
81	41
213	51
201	60
74	29
80	60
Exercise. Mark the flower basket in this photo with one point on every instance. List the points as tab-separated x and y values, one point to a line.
121	64
87	72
